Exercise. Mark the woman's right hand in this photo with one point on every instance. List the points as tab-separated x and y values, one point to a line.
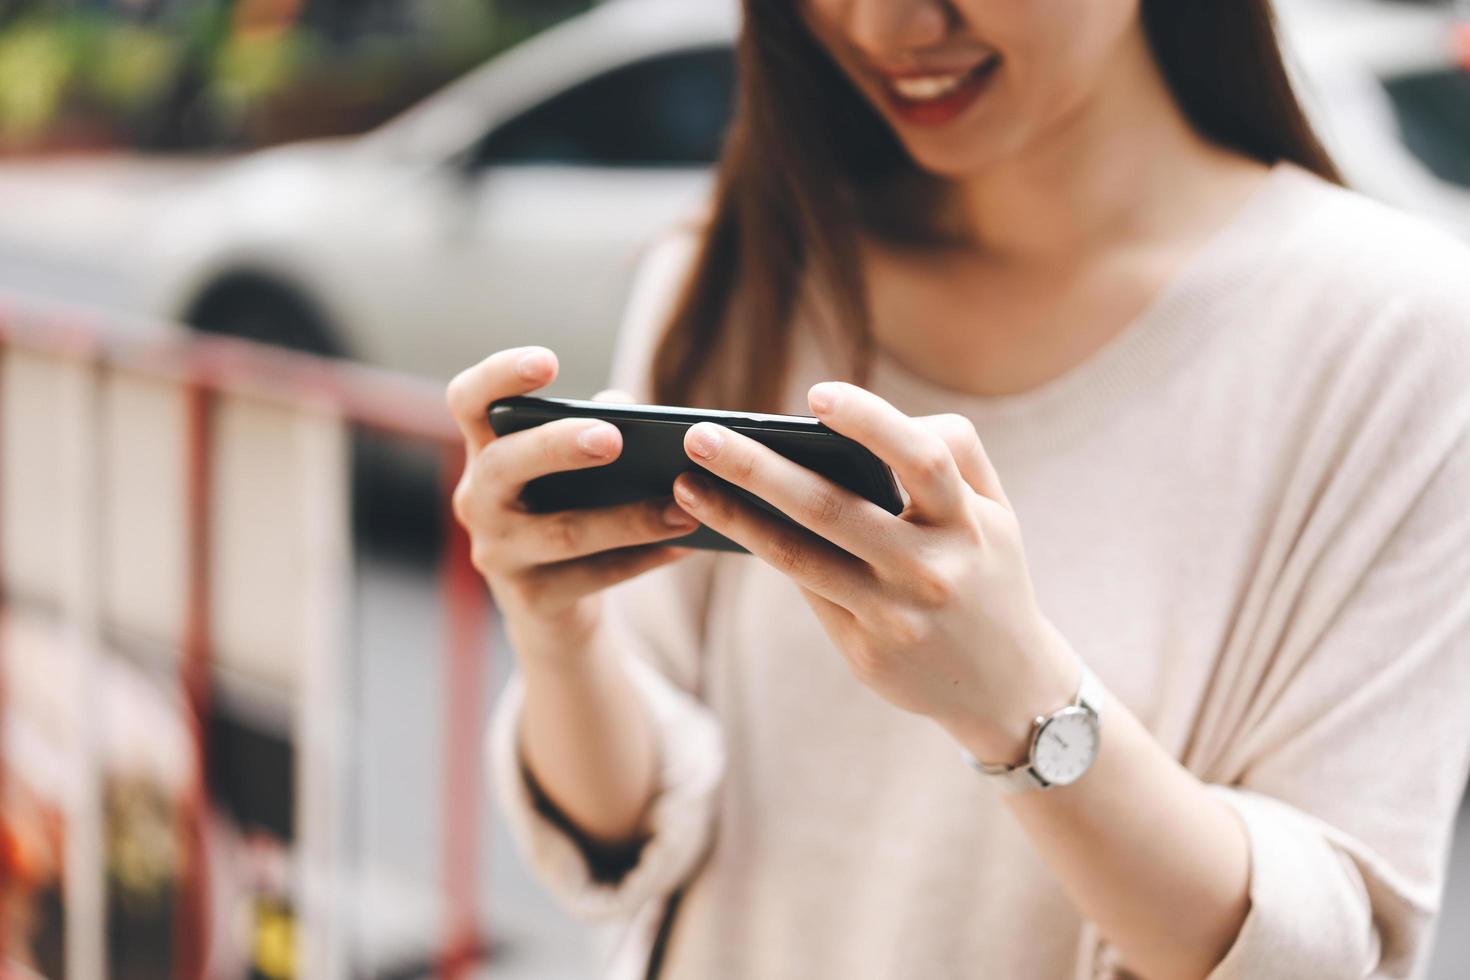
546	570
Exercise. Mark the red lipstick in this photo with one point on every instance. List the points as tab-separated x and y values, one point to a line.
938	111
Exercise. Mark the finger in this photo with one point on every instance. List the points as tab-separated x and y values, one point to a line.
969	454
513	371
513	460
920	459
614	395
545	538
807	559
848	520
584	576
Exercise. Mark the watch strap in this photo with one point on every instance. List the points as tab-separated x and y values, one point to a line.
1009	779
1090	693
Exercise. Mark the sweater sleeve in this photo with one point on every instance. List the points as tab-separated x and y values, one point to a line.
596	883
1350	762
656	625
1350	815
1337	729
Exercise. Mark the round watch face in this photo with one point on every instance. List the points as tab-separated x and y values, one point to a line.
1065	746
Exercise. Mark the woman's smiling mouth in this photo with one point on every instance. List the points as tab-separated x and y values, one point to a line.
933	98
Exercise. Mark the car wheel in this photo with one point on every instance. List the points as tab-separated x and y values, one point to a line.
254	307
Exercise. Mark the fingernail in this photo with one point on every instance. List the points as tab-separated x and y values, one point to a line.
533	364
674	516
823	396
686	493
595	440
705	440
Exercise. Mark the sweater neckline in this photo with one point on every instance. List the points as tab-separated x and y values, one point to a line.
1169	326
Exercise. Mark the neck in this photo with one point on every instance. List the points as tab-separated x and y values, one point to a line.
1122	165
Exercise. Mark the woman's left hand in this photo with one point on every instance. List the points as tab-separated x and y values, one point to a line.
932	608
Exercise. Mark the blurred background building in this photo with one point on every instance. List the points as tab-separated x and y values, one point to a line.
402	186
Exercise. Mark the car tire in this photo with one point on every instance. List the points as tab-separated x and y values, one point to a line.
256	307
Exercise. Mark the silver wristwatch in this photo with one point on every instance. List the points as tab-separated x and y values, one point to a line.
1063	744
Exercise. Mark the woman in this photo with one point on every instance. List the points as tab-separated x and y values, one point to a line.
1090	277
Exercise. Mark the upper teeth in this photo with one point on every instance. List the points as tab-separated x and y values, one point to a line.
927	86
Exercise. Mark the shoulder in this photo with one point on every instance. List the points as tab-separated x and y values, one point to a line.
1375	256
673	248
1377	297
662	268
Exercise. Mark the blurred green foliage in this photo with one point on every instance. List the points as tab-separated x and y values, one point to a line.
131	65
247	67
37	62
193	74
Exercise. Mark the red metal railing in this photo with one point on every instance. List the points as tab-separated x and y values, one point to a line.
191	912
206	369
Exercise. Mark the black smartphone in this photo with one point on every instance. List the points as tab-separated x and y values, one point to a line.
653	455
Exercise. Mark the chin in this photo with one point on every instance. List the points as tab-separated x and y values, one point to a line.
966	151
950	162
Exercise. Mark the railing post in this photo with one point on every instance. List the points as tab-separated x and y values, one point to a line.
466	619
323	911
191	913
85	872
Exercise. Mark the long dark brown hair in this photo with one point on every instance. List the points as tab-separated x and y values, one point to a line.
808	162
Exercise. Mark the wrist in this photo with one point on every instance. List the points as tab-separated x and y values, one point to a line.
1004	737
568	645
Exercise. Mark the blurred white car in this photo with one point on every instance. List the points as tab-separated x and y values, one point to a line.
508	208
511	206
1387	85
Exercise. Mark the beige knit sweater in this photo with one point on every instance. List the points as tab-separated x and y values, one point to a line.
1249	512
